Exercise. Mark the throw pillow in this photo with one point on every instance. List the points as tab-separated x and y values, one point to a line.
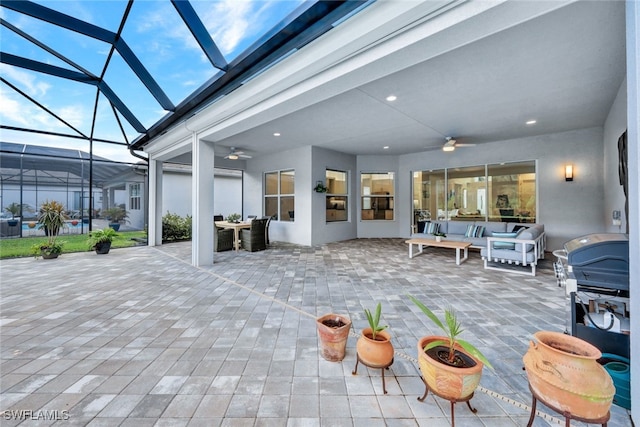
431	228
474	231
504	245
469	232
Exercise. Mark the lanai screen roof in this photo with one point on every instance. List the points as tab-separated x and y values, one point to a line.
121	72
39	165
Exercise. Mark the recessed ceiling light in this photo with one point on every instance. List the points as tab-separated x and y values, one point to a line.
391	98
532	122
386	147
276	134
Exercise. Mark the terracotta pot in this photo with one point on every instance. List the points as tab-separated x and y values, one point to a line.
375	353
333	340
563	371
446	381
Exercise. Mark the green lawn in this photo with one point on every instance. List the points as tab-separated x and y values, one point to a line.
14	248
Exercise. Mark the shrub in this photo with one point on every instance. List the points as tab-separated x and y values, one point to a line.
175	227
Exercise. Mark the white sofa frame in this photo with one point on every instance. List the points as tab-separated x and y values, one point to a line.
518	258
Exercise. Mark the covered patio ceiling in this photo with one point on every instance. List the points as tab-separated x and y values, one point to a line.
476	72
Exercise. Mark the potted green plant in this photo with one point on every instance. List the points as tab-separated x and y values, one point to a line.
16	209
116	215
320	187
234	217
100	240
374	345
51	218
49	249
439	235
451	367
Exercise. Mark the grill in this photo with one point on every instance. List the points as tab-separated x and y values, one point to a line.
599	261
598	286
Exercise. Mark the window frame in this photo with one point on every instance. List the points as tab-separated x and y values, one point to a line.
135	199
371	212
278	195
331	198
423	185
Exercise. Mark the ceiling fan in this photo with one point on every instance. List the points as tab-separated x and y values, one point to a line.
451	144
236	154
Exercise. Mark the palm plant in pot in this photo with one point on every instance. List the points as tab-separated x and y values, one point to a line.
100	240
451	367
116	215
51	218
16	210
374	345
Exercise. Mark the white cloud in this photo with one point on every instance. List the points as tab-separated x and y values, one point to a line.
228	23
16	110
11	110
73	114
26	80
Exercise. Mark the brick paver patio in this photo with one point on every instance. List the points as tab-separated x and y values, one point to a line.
140	337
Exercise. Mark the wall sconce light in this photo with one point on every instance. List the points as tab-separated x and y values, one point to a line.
568	172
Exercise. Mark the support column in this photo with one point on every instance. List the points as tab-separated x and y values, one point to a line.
633	142
202	202
154	232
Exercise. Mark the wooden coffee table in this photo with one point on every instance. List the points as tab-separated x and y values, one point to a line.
422	242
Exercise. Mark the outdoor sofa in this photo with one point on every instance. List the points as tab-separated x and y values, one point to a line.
501	243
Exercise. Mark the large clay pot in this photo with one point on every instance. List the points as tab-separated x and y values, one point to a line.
563	371
448	382
333	340
375	353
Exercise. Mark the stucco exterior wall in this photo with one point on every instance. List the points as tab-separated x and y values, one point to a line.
567	209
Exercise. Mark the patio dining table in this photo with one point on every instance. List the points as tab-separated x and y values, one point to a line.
236	227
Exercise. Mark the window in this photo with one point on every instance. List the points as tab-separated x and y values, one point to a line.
512	192
134	197
279	189
377	192
497	192
466	193
428	195
337	196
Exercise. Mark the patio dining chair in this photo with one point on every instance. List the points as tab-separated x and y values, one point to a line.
253	239
224	239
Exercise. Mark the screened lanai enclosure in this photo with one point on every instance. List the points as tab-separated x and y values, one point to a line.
31	175
85	85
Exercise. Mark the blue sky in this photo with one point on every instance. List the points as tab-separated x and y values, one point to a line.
155	33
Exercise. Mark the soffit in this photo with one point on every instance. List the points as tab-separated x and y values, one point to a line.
562	68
